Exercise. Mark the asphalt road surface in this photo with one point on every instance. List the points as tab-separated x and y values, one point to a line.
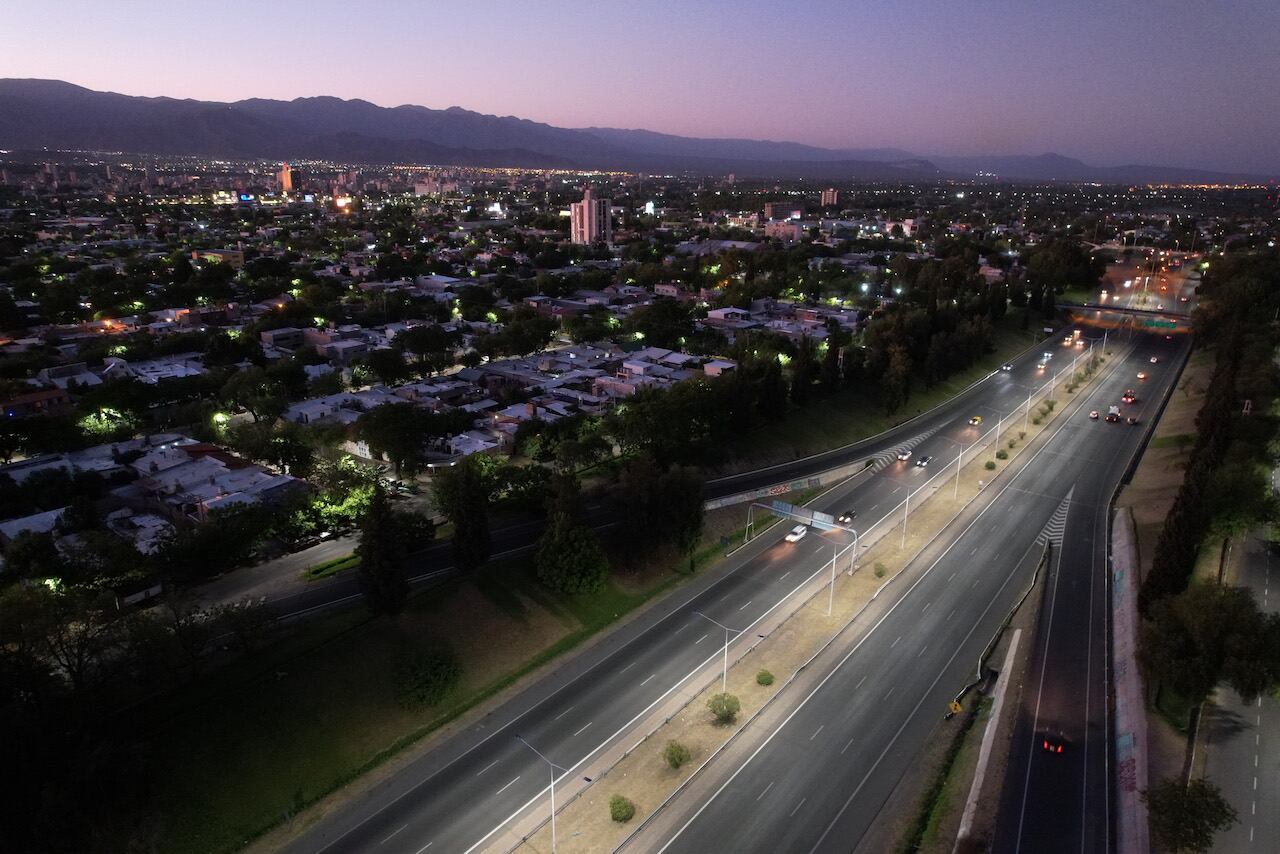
819	779
1244	738
454	796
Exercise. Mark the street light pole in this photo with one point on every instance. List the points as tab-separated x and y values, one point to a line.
831	592
554	767
906	509
724	676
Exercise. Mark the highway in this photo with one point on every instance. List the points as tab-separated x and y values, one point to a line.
817	781
1243	741
1065	797
454	796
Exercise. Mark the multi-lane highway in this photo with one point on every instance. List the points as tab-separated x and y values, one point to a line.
816	781
455	796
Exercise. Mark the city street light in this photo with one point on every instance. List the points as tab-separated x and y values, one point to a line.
724	676
554	767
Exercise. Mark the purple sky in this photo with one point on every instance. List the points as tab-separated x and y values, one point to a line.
1175	82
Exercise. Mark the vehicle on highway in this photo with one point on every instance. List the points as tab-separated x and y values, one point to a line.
1129	396
1131	420
1155	359
1093	415
796	534
922	462
1112	417
975	421
846	517
1142	375
904	454
1160	307
1039	366
1006	367
1052	743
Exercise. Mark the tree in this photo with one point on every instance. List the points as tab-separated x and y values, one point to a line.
676	754
773	392
829	375
32	554
1209	634
396	431
255	392
569	558
725	707
1186	818
382	556
896	383
460	494
387	365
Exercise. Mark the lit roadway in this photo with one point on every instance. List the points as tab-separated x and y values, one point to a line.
816	781
456	795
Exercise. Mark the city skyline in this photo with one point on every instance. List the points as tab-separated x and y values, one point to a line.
1102	84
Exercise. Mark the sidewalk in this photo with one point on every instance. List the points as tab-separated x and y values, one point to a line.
274	578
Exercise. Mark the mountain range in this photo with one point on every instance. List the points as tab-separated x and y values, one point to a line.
36	114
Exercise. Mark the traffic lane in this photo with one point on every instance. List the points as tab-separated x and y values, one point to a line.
982	394
743	596
896	667
1056	465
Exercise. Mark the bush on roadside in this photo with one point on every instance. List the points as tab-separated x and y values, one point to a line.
676	754
621	808
991	464
1036	421
764	677
1022	434
1002	454
725	707
1013	443
880	570
424	676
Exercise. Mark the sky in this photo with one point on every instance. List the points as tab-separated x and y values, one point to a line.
1168	82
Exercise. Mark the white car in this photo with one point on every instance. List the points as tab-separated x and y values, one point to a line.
1006	367
904	455
796	534
1154	359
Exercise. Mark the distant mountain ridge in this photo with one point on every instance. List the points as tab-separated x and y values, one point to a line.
38	114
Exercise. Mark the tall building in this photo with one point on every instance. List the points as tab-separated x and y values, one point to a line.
830	196
284	178
589	220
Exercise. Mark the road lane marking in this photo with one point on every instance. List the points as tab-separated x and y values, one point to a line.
922	649
646	682
974	552
388	839
797	809
847	745
504	788
579	732
766	790
926	606
487	767
425	847
949	616
628	667
784	575
860	681
890	694
816	731
565	712
745	604
701	639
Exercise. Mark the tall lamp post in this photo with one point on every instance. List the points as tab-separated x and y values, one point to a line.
554	767
724	676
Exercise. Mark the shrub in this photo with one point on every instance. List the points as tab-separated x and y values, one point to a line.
1050	404
1036	420
880	570
1022	434
425	676
1013	443
1002	454
725	707
675	753
621	808
991	464
764	677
